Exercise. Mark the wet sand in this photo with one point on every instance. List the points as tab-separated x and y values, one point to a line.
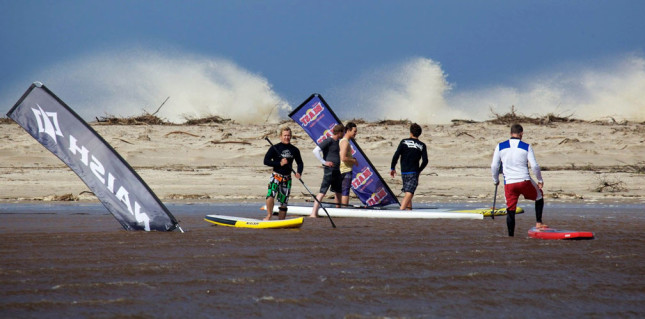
77	261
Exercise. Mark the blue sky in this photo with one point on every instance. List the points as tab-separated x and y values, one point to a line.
336	48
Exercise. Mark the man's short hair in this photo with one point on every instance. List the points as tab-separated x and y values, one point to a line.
284	128
415	130
516	129
349	126
338	128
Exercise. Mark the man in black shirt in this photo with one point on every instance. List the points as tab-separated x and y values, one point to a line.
281	157
411	150
330	160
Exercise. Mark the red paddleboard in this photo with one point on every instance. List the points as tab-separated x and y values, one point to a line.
551	233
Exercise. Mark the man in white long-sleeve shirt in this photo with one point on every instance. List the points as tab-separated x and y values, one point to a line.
513	156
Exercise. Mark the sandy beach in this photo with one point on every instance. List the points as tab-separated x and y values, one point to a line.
581	161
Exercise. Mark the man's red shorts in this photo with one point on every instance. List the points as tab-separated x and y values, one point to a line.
528	189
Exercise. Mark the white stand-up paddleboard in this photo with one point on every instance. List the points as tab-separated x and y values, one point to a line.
394	212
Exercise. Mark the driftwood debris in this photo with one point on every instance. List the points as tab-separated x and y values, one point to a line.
146	119
125	141
206	120
394	122
460	121
159	108
611	186
181	132
61	198
6	120
464	133
512	117
187	196
230	142
143	119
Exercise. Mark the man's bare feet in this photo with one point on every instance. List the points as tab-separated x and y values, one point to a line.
541	226
313	216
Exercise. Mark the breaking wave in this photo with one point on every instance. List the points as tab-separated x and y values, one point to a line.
129	82
419	90
125	83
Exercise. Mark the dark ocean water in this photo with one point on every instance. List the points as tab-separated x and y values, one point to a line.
75	260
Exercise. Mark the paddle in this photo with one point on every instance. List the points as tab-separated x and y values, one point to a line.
303	184
492	213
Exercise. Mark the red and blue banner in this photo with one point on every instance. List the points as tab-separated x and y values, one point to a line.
121	190
317	119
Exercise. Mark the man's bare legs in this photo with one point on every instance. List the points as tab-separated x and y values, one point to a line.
406	203
269	206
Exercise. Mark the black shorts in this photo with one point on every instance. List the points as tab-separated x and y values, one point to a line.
410	182
333	178
347	183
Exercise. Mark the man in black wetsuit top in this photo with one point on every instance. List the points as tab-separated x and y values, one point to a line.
411	150
281	157
330	160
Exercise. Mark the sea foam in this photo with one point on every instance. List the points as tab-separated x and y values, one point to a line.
129	82
418	89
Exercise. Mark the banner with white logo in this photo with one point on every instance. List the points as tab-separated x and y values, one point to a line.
318	120
56	126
